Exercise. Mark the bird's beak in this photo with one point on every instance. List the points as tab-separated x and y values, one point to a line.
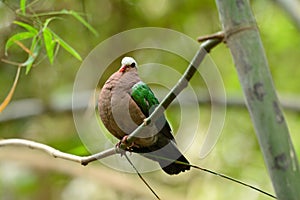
122	69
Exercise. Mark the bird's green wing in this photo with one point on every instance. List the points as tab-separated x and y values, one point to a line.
147	102
144	98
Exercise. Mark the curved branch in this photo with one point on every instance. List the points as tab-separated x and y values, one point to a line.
7	99
84	160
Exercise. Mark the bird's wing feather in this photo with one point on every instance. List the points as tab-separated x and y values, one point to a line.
147	102
144	98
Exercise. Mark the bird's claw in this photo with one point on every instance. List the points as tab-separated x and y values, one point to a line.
123	144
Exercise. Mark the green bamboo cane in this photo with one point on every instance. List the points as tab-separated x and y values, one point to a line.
243	39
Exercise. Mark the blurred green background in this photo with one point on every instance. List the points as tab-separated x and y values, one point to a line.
27	174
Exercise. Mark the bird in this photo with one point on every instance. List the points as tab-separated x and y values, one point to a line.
124	102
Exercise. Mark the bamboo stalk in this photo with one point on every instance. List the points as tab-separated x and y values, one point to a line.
243	39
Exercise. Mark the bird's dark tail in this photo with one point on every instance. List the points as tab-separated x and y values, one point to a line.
181	165
169	158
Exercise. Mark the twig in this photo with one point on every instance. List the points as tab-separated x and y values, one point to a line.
218	35
144	181
20	44
84	160
233	180
103	154
11	62
7	99
205	48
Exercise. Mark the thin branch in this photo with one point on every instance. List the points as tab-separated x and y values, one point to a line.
233	180
7	99
11	62
103	154
144	181
20	44
216	35
84	160
204	49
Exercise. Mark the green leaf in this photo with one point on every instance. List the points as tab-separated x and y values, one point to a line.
17	37
46	23
66	46
48	39
49	44
85	23
23	6
35	49
72	13
80	19
28	27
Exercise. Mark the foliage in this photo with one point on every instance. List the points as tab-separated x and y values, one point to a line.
41	35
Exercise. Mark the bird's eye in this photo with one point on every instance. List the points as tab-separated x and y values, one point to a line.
132	64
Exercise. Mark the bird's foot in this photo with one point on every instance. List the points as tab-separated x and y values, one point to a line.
123	144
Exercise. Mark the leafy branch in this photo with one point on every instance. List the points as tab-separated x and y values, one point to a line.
41	37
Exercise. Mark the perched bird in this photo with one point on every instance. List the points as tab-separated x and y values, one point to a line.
124	102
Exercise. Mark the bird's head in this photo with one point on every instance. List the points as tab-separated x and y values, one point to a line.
128	63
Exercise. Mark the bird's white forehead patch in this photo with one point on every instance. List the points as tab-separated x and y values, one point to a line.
128	61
